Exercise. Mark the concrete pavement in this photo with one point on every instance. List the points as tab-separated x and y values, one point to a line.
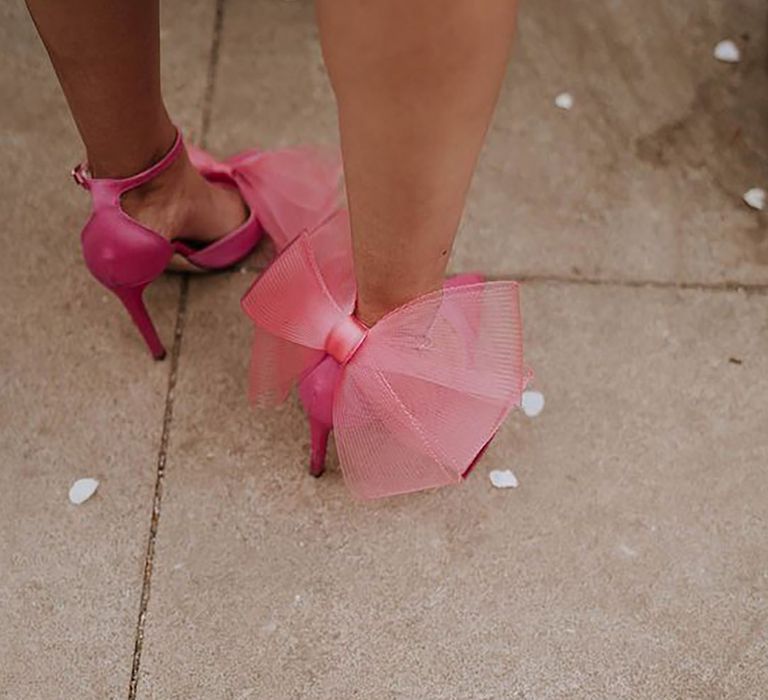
631	562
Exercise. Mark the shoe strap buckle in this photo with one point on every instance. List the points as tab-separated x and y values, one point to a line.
80	175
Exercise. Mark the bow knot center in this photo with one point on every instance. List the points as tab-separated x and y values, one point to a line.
344	339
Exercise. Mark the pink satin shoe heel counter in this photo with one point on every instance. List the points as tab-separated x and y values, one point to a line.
413	401
285	191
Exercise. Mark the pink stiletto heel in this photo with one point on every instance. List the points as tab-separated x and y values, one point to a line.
132	298
285	191
316	395
414	400
319	433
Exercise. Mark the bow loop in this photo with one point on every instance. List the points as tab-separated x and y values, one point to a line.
309	289
295	305
288	190
429	388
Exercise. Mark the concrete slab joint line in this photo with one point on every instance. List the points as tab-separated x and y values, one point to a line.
158	492
725	286
205	123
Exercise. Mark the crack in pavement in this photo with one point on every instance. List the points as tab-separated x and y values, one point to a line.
181	311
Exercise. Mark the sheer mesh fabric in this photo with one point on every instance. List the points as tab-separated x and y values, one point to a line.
294	304
290	190
276	365
428	389
294	190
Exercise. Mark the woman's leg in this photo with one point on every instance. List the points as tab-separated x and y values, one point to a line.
416	83
106	54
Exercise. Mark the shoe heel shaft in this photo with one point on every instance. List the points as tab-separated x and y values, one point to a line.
319	433
133	301
316	394
121	253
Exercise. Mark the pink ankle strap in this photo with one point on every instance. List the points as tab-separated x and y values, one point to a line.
82	176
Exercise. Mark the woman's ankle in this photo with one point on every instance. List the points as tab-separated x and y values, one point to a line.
107	160
179	202
371	308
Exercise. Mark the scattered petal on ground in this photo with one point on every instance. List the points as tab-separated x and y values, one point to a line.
564	100
503	479
532	403
755	198
627	551
82	490
727	51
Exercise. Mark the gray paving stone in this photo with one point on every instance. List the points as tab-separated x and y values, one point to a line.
628	564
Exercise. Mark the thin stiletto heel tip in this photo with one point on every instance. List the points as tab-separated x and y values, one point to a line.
317	471
159	356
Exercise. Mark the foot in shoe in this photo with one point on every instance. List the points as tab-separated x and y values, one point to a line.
181	203
195	213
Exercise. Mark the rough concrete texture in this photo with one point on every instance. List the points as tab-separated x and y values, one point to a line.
631	562
79	396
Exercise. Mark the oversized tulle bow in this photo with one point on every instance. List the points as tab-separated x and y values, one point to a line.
289	190
419	394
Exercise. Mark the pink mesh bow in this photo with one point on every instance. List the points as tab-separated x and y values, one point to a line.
420	394
289	190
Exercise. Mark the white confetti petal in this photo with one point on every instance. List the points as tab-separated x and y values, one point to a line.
564	100
503	479
82	490
627	551
532	403
755	198
727	51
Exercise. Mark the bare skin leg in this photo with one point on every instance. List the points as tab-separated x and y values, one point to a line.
106	54
416	83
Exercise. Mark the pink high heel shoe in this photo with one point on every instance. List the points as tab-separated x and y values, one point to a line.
285	191
413	401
